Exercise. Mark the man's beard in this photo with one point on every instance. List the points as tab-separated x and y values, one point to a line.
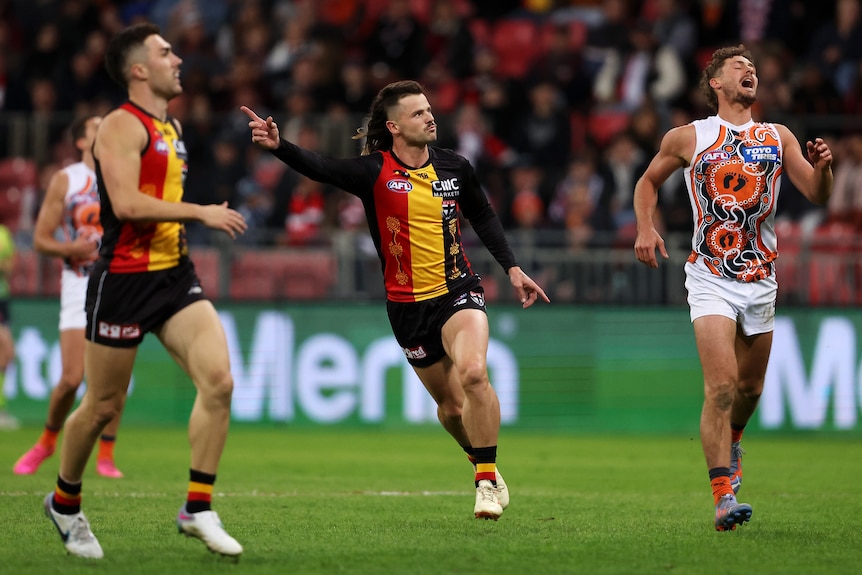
746	100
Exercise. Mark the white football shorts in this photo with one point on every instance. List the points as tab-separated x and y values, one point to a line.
749	304
73	295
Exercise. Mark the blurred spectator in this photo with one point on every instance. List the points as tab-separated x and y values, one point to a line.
449	41
581	206
542	136
774	94
814	94
609	34
562	62
354	94
304	221
398	41
836	47
674	27
642	70
845	205
622	164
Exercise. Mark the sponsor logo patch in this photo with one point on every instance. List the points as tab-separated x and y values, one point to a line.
399	186
117	331
760	154
716	156
450	188
415	352
478	298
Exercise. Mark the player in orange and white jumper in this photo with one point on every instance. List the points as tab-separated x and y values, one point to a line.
72	204
733	168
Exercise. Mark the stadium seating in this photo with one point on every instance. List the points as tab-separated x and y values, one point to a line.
279	275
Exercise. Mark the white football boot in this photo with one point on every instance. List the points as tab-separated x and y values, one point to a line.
206	526
75	532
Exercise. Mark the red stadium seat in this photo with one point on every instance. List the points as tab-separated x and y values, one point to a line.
278	274
516	43
829	272
603	125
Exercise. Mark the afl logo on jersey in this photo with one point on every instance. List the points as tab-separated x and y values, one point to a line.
715	156
162	147
399	186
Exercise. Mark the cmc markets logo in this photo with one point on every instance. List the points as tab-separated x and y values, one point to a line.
446	188
399	186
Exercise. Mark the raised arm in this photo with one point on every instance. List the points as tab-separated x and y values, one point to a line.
676	149
813	175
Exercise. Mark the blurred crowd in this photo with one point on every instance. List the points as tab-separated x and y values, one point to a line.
557	104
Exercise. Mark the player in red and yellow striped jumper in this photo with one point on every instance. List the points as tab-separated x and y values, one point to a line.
733	167
144	282
413	195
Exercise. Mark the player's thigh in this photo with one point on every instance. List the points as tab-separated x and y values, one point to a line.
715	336
195	339
107	370
72	354
752	354
465	337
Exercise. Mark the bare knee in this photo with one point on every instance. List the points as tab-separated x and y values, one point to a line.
750	389
217	388
449	410
102	412
473	376
720	395
69	382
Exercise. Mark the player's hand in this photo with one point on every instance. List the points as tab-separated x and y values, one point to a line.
264	133
645	246
528	290
84	248
221	217
819	153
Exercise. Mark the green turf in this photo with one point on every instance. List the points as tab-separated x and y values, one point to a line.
395	501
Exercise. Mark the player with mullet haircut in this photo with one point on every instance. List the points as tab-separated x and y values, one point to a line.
733	167
413	194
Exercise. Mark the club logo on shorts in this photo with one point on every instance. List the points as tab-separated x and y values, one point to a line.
478	298
116	331
415	352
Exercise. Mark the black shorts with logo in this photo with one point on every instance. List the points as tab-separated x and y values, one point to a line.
418	325
122	308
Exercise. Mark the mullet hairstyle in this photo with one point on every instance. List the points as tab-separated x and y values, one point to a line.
123	44
714	67
376	134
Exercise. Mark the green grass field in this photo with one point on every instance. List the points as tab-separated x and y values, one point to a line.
400	501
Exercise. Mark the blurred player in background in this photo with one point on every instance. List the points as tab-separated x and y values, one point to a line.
7	345
71	203
733	169
145	282
413	195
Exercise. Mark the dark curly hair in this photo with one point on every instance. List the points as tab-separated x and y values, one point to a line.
376	134
714	67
